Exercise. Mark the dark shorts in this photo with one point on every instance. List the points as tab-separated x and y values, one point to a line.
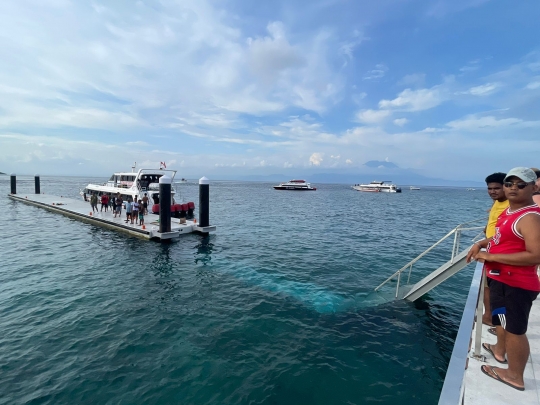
510	306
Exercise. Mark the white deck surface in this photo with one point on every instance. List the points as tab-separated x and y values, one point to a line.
481	389
82	210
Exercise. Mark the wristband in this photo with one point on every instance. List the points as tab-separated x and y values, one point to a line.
477	243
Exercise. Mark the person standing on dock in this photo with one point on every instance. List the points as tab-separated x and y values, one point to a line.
145	204
511	258
118	205
500	203
135	211
93	202
104	202
141	214
129	210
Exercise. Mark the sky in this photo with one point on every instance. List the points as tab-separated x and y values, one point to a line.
225	88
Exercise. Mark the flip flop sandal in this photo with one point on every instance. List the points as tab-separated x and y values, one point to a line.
493	331
496	377
487	348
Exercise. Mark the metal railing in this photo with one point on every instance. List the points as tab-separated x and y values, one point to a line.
457	231
453	390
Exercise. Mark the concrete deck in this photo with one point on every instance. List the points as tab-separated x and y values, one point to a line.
81	210
481	389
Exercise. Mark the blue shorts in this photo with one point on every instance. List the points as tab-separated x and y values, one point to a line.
118	209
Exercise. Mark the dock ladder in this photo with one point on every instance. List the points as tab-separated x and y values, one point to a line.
447	270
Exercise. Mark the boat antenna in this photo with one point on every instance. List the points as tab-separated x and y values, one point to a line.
133	167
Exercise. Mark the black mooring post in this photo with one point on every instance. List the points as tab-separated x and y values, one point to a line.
204	202
13	183
165	184
36	182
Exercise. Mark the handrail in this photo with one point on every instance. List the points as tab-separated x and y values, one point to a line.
455	250
453	389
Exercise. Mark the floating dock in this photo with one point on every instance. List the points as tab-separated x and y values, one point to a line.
82	211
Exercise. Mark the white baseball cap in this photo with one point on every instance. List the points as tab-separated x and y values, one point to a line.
524	173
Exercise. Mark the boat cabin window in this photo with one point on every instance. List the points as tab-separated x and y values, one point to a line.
146	179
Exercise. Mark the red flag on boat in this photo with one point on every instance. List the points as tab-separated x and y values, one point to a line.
163	164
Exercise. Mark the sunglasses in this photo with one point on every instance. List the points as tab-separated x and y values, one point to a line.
521	185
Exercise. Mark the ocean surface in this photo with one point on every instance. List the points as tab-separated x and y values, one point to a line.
275	307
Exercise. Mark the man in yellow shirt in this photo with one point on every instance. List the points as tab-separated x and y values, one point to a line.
500	203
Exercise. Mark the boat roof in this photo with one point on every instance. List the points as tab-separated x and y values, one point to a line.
121	190
146	171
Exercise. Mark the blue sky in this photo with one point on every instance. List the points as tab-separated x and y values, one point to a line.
447	89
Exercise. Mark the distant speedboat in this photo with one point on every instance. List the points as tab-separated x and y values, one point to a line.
295	185
471	189
414	188
378	187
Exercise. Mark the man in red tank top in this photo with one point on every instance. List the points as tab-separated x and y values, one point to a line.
511	257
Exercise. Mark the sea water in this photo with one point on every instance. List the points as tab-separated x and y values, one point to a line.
275	307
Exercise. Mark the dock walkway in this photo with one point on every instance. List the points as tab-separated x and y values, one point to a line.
81	210
465	383
481	389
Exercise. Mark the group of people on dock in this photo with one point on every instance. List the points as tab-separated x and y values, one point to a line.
135	208
511	256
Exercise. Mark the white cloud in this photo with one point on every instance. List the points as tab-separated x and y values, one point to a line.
348	47
316	159
533	85
415	79
377	73
372	116
475	123
119	70
400	121
349	161
269	56
484	89
471	66
415	100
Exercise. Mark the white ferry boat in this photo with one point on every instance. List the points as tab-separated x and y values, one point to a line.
295	185
132	185
378	187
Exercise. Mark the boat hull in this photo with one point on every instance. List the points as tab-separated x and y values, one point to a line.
293	188
375	190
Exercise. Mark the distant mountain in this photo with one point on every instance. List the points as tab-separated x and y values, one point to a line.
381	163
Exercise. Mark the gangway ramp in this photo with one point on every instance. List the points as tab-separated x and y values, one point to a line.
457	262
443	273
